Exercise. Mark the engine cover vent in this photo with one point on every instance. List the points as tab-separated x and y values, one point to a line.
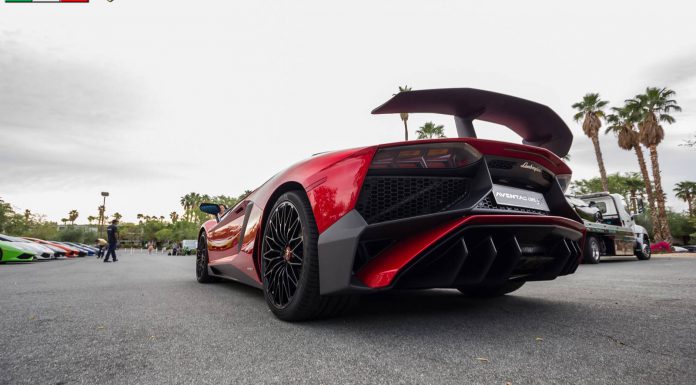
386	198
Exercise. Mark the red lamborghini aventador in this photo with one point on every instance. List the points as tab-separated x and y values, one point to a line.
480	216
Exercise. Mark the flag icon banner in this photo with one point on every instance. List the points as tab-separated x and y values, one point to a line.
47	1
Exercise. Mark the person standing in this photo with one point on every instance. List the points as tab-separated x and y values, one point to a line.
112	237
101	244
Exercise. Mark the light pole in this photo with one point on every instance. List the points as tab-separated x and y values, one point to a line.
103	211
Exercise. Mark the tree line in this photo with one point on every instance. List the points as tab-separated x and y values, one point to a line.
160	229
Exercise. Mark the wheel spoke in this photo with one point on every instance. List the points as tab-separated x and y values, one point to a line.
291	275
272	269
271	239
297	245
275	236
296	225
273	280
285	282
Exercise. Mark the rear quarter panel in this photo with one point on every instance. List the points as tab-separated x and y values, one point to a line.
332	183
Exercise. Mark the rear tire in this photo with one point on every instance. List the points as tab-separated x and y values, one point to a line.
202	275
645	252
592	252
491	291
290	265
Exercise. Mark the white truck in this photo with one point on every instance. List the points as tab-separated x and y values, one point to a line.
189	246
611	229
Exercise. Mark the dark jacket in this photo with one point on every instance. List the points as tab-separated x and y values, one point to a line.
112	234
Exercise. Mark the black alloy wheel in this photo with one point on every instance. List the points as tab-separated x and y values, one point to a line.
290	263
202	275
283	254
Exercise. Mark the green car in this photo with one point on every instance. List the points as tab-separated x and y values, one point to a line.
11	253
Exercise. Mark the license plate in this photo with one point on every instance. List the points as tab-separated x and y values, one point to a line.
517	197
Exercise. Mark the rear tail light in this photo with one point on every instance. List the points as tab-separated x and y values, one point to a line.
433	155
564	181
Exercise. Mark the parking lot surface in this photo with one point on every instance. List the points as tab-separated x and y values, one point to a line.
145	320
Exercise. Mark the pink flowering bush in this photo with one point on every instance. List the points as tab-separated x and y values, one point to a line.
661	247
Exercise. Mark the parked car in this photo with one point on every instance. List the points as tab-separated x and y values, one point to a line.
95	250
11	252
85	249
41	252
68	251
480	216
58	253
78	252
690	248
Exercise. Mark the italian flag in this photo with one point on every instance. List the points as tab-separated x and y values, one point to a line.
47	1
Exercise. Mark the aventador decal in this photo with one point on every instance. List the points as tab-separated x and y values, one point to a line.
510	196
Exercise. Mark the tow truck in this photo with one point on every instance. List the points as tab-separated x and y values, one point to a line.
611	228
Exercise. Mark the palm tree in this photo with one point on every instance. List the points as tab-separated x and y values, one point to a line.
118	216
192	201
622	122
686	191
404	115
174	216
187	203
591	111
429	130
73	215
196	200
140	218
655	106
27	215
635	186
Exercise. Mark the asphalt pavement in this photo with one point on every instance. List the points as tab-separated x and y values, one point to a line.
145	320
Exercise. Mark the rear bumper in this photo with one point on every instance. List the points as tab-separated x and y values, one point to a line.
443	252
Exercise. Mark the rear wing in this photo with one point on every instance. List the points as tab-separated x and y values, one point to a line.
537	124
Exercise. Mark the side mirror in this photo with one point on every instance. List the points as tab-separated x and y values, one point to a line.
210	208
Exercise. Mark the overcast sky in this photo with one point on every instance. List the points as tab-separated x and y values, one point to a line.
150	100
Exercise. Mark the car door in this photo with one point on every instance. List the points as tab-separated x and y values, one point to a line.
227	255
224	237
